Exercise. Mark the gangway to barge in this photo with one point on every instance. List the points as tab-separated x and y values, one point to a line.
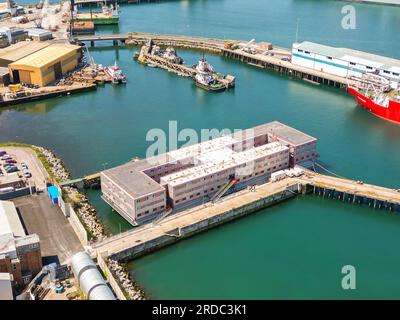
87	178
224	190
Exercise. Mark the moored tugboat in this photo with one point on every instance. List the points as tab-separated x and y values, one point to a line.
171	55
115	73
205	77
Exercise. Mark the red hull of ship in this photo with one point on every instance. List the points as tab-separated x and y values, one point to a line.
391	113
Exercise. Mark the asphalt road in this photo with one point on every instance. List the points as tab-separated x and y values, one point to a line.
58	240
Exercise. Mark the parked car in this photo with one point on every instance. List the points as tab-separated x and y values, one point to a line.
8	165
23	165
5	157
2	153
11	161
27	174
12	169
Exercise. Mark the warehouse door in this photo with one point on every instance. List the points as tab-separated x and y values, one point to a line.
15	75
58	70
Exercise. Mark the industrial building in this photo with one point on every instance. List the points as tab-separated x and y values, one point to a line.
142	190
38	34
46	65
6	292
14	35
9	8
4	76
4	40
345	62
20	254
20	50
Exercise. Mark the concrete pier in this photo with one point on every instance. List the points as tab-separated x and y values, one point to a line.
150	237
182	225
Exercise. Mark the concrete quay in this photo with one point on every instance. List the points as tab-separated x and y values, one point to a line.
150	237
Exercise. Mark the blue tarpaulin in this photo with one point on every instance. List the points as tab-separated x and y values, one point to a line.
53	193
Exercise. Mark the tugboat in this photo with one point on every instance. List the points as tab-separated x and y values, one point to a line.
376	95
171	55
205	77
115	73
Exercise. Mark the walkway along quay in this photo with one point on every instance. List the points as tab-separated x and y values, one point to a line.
150	237
277	59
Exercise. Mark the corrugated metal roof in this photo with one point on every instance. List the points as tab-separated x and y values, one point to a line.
21	49
4	71
351	55
47	55
9	220
38	32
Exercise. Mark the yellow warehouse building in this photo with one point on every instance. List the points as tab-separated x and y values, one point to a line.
46	65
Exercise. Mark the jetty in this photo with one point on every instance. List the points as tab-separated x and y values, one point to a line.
147	57
152	236
29	95
277	59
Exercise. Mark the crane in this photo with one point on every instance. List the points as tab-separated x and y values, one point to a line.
247	48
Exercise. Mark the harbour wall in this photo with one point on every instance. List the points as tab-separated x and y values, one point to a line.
101	261
173	235
181	225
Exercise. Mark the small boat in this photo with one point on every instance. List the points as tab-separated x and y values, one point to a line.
115	74
151	65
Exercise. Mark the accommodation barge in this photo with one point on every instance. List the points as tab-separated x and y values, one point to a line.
154	187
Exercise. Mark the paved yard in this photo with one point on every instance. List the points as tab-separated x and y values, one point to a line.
57	238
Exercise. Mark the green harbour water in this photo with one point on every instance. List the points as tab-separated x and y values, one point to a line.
293	250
